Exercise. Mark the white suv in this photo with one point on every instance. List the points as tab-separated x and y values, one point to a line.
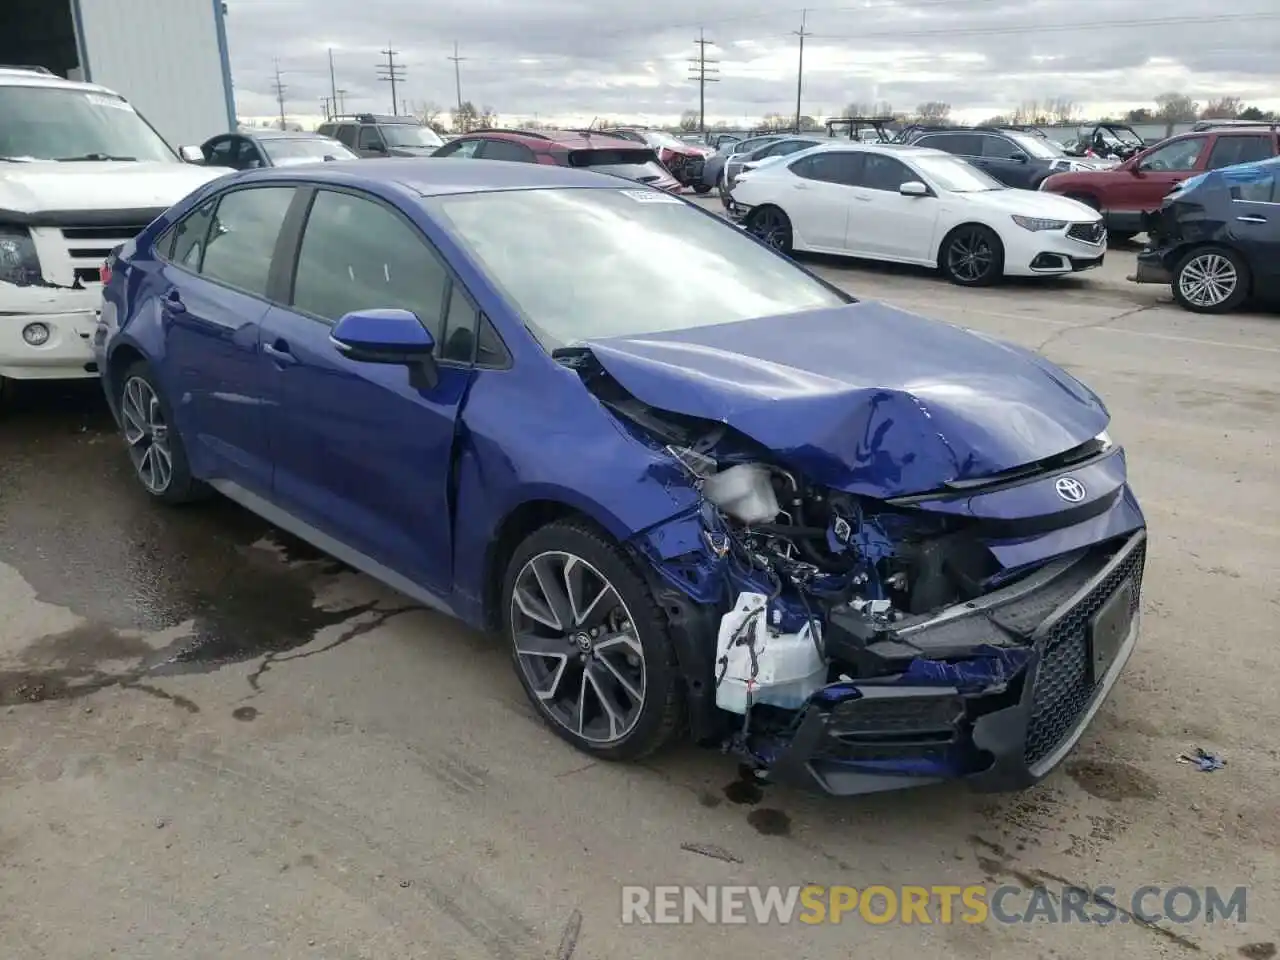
80	173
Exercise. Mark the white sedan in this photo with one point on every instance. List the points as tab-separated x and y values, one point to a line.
915	205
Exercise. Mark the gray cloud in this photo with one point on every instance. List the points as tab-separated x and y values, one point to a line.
569	58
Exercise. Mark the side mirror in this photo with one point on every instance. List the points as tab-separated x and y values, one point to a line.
191	154
913	188
1019	157
377	148
388	336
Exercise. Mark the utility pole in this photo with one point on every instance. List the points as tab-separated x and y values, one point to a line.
391	72
327	104
801	33
333	82
280	90
342	101
457	73
703	70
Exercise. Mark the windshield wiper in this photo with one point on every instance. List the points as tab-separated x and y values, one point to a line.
95	157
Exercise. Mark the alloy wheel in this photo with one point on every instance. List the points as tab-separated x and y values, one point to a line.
147	435
575	641
771	227
1208	280
970	256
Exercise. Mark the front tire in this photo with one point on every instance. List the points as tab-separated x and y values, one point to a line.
155	449
701	188
772	227
972	256
590	644
1211	280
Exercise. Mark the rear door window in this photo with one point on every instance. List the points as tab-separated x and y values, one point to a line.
959	144
242	237
1233	148
837	166
884	173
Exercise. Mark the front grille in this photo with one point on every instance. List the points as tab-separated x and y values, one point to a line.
1064	682
88	247
1088	232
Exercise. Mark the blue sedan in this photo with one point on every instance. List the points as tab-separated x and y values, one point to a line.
698	490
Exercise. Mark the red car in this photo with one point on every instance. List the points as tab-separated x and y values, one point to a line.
1140	184
594	151
684	160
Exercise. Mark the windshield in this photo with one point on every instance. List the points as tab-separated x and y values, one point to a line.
410	135
638	164
51	123
618	253
1033	146
955	175
1121	135
287	151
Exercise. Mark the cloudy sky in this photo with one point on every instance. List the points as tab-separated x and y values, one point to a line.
569	60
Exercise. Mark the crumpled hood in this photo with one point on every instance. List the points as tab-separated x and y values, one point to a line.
864	398
42	186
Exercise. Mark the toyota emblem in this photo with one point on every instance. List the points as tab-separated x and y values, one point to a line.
1070	489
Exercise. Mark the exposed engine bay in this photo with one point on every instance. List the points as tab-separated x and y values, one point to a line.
881	615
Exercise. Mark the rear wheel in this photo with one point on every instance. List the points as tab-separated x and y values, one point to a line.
772	226
1211	280
155	448
972	256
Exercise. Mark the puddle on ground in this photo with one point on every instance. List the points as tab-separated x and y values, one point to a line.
78	529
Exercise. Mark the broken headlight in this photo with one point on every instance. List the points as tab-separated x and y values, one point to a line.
1104	441
19	263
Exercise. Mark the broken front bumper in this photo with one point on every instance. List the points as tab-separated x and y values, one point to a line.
1151	268
1074	633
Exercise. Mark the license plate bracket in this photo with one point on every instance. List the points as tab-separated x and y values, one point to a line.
1109	628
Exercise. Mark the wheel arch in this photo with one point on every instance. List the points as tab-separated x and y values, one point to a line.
964	225
121	358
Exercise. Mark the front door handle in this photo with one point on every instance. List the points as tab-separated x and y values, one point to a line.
1252	219
800	185
279	352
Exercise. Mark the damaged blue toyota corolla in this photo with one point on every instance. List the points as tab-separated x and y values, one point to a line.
697	488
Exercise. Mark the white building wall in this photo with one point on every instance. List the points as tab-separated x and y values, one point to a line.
165	57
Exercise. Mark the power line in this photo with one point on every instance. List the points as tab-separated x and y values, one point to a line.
280	89
393	73
457	73
333	83
701	73
801	33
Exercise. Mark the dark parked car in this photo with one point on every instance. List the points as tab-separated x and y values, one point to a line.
621	158
1216	239
1017	158
378	135
698	489
684	160
1139	185
713	166
249	150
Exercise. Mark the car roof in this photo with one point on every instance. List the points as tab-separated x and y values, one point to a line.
31	77
889	149
283	135
570	139
428	177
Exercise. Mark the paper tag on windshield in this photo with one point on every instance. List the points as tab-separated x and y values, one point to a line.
98	100
651	196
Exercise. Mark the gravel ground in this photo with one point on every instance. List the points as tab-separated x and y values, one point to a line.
341	774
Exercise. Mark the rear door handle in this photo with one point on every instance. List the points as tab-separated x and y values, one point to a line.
1252	219
799	185
279	352
173	302
862	197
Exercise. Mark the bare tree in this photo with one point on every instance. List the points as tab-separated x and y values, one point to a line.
464	117
882	108
856	109
488	117
999	120
934	111
1062	110
428	114
1174	107
690	121
775	122
1028	112
1224	108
